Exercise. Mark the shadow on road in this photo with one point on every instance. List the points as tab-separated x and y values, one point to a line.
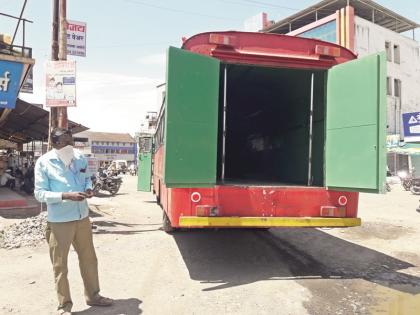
102	194
123	306
231	258
114	227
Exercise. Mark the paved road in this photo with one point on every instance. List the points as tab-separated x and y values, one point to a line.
374	269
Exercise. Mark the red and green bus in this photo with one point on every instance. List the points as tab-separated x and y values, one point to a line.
264	130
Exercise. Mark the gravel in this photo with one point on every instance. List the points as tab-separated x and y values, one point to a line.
28	233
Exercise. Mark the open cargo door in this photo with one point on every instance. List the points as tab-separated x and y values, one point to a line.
145	164
192	95
355	156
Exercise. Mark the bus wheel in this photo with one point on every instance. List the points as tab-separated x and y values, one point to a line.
167	226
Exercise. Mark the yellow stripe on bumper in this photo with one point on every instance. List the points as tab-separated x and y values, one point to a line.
267	222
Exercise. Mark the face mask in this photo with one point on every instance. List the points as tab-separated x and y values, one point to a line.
66	154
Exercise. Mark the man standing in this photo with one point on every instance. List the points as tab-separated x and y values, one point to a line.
63	183
7	180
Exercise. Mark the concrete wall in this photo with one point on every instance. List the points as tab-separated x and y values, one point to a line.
370	38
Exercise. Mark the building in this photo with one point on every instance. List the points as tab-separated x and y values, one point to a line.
366	27
107	146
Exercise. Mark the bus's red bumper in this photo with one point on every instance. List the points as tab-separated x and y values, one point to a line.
261	206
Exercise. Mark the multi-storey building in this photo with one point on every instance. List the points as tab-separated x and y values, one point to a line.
366	27
106	146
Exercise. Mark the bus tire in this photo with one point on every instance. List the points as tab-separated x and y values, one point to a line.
166	223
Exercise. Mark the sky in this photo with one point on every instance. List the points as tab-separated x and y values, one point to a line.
126	47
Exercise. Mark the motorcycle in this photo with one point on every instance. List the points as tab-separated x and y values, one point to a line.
133	172
415	186
106	182
406	180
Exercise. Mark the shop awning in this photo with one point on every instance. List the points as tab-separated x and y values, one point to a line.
406	148
27	123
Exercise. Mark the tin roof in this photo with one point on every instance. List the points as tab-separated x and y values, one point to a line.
367	9
27	122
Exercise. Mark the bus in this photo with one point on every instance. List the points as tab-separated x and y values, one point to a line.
264	130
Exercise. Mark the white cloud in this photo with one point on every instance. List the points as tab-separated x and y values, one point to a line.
108	101
154	60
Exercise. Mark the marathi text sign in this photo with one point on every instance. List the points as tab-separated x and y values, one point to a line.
76	38
10	77
411	122
60	83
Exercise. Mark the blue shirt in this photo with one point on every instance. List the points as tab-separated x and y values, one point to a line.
52	178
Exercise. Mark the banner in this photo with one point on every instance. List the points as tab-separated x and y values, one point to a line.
60	83
76	38
411	122
10	76
93	165
28	84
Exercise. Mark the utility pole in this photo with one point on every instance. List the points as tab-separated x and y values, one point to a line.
62	55
58	115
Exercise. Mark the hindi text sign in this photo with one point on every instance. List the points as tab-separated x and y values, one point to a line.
76	38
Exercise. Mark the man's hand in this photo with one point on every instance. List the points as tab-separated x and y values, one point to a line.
89	193
74	196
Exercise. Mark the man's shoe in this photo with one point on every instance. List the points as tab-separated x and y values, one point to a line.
100	301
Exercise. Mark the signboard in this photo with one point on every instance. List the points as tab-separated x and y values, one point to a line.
411	122
28	84
10	76
93	165
60	83
76	38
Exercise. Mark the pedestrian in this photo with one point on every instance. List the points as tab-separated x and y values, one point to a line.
7	180
63	183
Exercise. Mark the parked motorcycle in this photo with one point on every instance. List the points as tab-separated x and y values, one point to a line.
415	186
406	180
106	182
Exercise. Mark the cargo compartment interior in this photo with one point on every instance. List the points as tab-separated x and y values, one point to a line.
267	126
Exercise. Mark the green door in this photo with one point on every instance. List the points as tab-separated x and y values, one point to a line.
144	164
355	155
192	95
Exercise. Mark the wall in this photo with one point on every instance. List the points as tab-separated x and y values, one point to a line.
370	38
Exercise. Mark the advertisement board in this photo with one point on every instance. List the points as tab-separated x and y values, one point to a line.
411	123
93	165
28	84
60	83
10	77
76	38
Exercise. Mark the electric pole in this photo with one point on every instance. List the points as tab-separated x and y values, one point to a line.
58	115
62	55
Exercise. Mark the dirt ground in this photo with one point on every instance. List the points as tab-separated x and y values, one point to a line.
373	269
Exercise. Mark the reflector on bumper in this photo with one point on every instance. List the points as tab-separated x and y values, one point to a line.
267	222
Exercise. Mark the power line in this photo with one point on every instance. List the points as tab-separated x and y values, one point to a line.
271	5
261	4
179	10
